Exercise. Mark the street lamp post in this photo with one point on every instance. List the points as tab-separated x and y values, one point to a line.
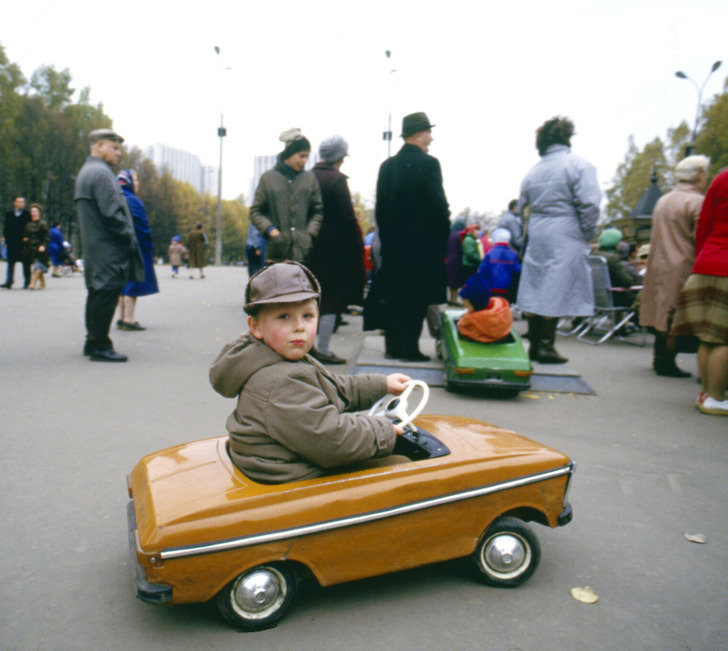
221	132
388	133
681	75
218	239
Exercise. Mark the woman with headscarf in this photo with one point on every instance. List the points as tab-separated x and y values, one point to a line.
287	208
337	259
132	290
563	193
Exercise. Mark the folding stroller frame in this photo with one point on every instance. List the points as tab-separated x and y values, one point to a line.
608	318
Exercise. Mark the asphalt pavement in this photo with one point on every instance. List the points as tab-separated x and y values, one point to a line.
650	469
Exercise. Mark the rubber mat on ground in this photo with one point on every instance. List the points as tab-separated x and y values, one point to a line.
554	378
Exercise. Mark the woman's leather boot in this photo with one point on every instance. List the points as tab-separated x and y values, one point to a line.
663	361
546	352
533	335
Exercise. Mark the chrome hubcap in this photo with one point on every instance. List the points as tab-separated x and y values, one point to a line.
259	590
505	554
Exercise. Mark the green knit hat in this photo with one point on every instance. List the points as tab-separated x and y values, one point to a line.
609	238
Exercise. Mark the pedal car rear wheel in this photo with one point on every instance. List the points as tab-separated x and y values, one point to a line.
257	598
507	554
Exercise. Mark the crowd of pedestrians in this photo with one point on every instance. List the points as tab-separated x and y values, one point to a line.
26	239
416	259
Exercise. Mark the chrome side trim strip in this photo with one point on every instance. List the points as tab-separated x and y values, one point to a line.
306	530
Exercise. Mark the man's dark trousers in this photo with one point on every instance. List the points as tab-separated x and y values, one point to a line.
100	308
24	260
403	327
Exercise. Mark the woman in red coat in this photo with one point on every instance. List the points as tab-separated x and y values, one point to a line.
703	306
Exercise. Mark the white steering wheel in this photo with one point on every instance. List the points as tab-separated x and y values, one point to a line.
396	408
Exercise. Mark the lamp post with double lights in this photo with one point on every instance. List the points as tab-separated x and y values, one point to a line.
681	75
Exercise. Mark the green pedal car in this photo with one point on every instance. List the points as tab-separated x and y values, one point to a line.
502	366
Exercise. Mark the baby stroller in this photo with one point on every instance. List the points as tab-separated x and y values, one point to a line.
69	264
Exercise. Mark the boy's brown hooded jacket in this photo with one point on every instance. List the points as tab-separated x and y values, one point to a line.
294	420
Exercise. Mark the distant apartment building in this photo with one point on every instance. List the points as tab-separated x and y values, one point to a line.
262	164
185	167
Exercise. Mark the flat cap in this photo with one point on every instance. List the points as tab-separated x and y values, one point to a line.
104	134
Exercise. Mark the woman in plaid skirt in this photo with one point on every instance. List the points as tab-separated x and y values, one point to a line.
703	306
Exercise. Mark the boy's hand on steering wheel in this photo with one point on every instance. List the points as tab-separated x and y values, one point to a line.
397	382
399	430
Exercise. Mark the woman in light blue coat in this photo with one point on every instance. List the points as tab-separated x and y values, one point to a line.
564	196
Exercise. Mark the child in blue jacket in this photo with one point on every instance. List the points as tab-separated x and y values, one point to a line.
497	275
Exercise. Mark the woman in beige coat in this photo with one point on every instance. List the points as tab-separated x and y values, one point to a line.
672	254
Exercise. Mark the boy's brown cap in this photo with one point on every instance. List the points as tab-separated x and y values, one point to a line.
282	282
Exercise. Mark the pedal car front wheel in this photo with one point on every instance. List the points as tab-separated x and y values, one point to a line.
257	598
507	554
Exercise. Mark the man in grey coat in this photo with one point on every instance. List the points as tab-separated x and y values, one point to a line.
563	193
111	254
513	223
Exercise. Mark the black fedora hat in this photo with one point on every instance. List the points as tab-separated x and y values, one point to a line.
415	122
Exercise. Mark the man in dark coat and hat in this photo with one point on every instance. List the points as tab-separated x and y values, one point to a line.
413	219
111	255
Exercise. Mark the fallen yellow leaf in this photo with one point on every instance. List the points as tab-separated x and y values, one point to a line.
585	595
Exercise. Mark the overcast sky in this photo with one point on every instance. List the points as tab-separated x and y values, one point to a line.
487	74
